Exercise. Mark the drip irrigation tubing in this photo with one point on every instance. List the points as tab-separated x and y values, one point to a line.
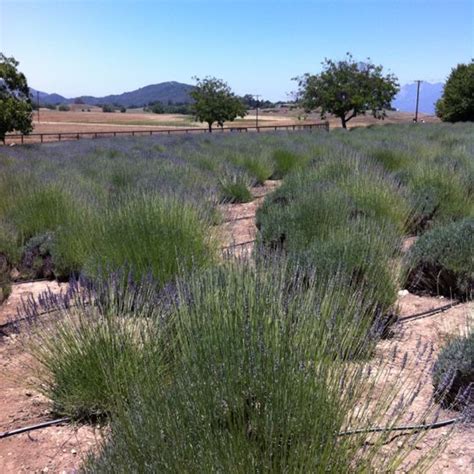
45	424
11	324
429	313
20	282
381	429
242	218
377	429
241	244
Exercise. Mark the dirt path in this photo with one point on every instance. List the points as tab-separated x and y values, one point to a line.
238	233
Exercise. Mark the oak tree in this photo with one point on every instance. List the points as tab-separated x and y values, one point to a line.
15	104
347	89
215	102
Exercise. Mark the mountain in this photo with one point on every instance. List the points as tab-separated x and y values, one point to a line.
405	100
45	98
165	92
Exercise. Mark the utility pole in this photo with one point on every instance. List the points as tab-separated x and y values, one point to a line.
257	96
417	99
38	104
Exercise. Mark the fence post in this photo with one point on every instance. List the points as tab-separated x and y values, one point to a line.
59	137
22	139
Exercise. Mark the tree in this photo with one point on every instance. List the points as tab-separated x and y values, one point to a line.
108	108
348	88
215	102
15	104
457	102
157	108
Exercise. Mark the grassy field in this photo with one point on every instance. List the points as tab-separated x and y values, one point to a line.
199	363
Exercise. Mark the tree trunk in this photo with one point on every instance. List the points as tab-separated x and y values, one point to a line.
344	122
210	127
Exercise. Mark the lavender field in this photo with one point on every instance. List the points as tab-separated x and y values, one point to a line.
198	363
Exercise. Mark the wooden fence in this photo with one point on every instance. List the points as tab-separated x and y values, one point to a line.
63	136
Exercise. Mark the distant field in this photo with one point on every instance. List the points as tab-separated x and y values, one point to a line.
53	121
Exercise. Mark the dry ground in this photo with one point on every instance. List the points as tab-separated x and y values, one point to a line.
60	448
76	121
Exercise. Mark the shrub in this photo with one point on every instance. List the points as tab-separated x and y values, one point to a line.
108	108
64	108
453	374
253	363
9	244
391	159
5	283
36	260
150	234
42	209
441	261
438	195
93	348
235	189
285	161
351	224
259	168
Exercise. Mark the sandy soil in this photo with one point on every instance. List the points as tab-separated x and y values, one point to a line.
238	232
360	121
55	449
60	448
411	337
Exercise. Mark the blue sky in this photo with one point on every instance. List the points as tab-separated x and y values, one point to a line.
100	47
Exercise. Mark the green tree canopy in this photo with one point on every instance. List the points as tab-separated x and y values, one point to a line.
457	102
348	88
15	104
215	102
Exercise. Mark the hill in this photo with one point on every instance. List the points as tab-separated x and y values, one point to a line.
46	98
405	101
178	92
165	92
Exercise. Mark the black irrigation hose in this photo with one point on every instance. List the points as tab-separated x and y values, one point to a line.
242	218
377	429
20	282
45	424
227	247
381	429
430	312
